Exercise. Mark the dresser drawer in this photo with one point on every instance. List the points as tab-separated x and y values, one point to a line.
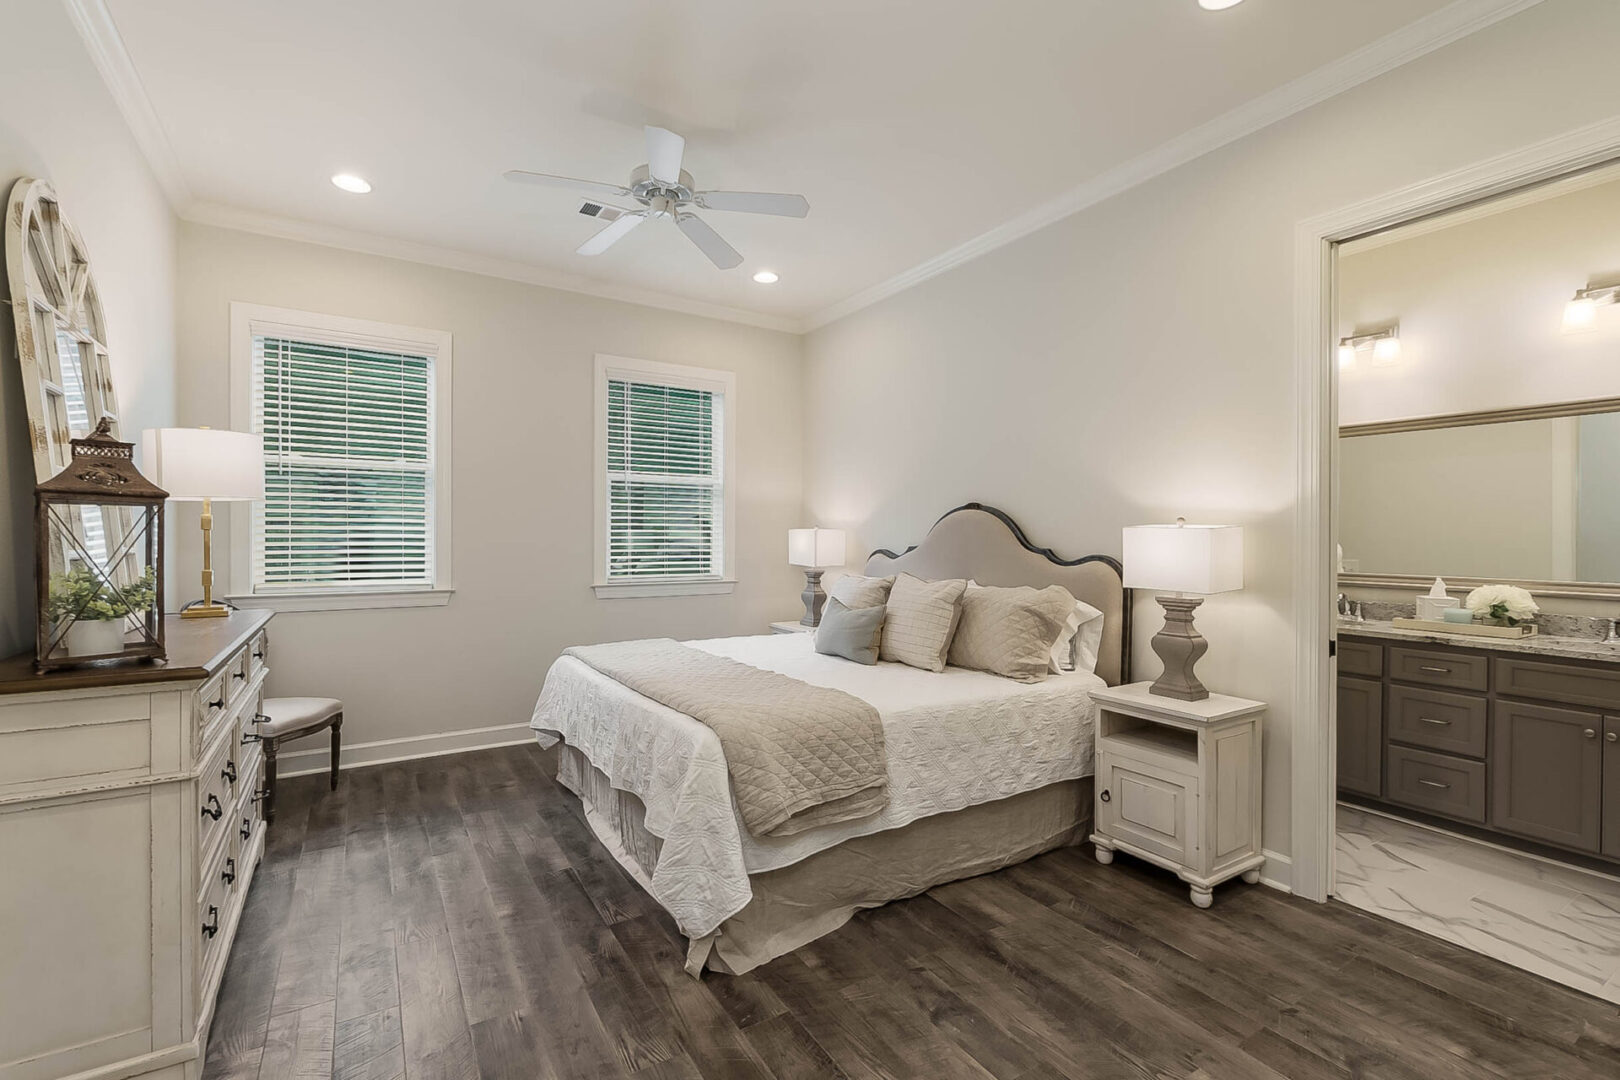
1438	720
1566	684
215	901
211	705
1452	671
1439	783
1360	658
236	677
258	653
215	793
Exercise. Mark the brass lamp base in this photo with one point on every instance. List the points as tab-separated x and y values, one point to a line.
205	611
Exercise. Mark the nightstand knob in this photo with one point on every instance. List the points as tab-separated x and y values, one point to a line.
1105	797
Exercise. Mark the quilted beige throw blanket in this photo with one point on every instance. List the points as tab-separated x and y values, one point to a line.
800	756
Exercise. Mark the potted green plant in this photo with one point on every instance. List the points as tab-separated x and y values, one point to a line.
96	609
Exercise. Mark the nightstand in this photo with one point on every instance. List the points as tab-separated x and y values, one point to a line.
791	628
1178	784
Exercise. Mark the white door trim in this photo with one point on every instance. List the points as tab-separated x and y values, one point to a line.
1316	387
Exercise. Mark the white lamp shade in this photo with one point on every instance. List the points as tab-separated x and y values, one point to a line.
816	547
1184	558
193	464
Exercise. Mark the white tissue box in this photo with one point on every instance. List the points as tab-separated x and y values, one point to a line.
1433	607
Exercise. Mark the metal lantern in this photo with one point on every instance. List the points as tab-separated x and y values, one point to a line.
98	537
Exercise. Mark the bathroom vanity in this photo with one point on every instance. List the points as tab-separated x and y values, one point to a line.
1513	740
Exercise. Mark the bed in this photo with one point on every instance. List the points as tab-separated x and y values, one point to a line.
982	771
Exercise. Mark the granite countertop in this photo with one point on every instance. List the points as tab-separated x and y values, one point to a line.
1576	648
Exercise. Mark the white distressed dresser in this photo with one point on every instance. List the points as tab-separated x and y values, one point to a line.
129	832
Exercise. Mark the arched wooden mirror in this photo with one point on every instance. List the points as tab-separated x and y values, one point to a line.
61	344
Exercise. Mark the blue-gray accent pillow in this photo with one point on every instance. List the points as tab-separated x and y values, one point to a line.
853	633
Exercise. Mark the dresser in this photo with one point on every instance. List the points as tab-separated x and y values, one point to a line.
1518	742
129	833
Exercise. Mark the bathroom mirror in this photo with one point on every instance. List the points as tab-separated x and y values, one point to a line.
1525	496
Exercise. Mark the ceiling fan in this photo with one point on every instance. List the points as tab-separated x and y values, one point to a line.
665	190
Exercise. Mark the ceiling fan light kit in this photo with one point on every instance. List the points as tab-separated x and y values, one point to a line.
666	192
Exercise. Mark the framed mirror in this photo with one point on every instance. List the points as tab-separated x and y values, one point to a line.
1523	496
61	347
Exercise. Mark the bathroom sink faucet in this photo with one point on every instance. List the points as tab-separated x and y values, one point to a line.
1614	631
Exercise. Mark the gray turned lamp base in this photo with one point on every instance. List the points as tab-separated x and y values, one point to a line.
1179	646
813	597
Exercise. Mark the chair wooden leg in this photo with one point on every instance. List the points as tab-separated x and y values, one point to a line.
269	781
337	745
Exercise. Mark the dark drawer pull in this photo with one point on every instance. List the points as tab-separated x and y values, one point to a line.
260	718
228	773
250	737
262	793
211	927
237	675
228	875
1105	797
217	812
1436	670
1433	783
220	704
1431	720
247	828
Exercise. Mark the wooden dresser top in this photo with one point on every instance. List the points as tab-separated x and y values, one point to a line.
197	648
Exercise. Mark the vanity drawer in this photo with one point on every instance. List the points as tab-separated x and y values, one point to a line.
1438	720
1453	671
1360	658
1450	786
1563	683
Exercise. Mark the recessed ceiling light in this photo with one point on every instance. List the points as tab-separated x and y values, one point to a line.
1218	5
766	277
351	183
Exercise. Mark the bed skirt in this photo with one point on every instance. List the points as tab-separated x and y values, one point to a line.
797	904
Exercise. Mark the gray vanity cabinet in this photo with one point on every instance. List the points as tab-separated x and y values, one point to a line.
1361	735
1611	786
1547	774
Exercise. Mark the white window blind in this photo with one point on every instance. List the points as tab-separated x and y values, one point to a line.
348	446
665	480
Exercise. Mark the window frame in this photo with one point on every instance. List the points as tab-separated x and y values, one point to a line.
257	320
722	383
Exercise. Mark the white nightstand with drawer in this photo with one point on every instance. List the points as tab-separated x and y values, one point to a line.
1178	784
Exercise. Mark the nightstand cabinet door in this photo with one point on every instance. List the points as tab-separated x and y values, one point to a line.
1361	735
1147	806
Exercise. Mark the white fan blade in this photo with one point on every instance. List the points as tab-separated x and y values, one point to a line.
664	152
606	238
540	179
708	241
755	202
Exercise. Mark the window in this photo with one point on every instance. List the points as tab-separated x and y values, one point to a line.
355	420
664	495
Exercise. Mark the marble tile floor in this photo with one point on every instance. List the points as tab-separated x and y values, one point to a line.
1560	922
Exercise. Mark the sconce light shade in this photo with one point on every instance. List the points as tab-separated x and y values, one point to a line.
1387	350
1385	346
1580	314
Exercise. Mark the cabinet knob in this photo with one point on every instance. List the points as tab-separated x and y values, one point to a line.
1590	733
211	927
213	809
1613	736
1105	797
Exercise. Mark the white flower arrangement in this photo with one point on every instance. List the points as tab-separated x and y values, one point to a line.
1505	605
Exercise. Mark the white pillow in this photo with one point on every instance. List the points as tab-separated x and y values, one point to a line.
1077	646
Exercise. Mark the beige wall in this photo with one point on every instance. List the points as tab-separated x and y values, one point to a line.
522	484
1135	361
1481	306
61	125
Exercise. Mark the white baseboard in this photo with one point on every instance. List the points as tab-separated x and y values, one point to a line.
359	755
1278	872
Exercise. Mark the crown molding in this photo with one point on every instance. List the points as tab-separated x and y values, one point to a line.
106	47
1435	31
284	228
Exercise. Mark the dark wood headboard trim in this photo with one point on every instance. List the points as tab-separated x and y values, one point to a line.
1053	557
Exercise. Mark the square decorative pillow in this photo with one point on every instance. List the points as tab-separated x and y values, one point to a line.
1010	632
921	619
854	591
853	634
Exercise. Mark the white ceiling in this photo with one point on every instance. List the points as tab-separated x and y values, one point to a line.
912	127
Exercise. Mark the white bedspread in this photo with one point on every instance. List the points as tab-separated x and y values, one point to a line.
954	739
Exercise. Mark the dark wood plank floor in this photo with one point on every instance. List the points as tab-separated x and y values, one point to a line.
454	917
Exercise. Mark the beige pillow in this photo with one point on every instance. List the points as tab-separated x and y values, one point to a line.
1010	632
854	591
920	621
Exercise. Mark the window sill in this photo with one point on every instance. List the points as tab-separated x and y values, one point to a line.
625	590
345	601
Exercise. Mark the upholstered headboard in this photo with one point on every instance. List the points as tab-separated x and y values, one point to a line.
984	544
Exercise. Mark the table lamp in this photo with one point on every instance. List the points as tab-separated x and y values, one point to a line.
815	550
202	464
1180	559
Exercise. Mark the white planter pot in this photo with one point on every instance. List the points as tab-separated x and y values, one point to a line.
95	637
